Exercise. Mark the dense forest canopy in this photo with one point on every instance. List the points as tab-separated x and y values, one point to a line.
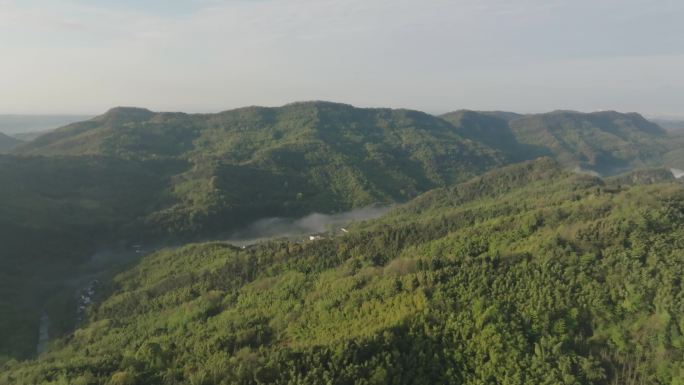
606	142
528	274
255	162
493	268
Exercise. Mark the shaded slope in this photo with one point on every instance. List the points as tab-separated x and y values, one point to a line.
606	142
132	176
525	275
55	213
302	157
493	129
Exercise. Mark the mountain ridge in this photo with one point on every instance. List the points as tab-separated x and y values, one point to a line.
607	142
600	141
336	155
505	276
8	143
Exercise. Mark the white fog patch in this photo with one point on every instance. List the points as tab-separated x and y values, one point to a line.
582	171
677	173
315	223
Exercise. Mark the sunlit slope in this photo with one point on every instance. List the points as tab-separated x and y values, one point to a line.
132	176
528	274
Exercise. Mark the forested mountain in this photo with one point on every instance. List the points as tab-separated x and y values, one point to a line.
7	143
606	142
526	275
54	214
255	162
342	308
493	129
132	176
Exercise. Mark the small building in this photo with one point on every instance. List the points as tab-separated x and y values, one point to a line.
316	237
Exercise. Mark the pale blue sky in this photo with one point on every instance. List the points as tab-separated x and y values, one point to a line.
84	56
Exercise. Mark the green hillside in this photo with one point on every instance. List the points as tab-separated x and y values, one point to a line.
136	177
55	213
674	157
606	142
256	162
132	176
494	130
526	275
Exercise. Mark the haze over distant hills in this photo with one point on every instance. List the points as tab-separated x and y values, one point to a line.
676	125
8	143
27	127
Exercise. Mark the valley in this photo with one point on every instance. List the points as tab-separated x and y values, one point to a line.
468	264
192	247
86	280
307	192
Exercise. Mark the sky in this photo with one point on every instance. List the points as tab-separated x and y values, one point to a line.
86	56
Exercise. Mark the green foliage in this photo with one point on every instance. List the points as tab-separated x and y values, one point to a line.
254	162
132	176
607	142
55	213
526	275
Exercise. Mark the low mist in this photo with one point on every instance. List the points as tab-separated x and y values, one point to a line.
270	228
582	171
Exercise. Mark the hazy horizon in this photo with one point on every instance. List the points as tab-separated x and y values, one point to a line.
97	113
84	57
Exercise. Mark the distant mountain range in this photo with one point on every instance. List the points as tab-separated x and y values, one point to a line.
220	170
8	143
670	124
291	160
606	142
12	124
